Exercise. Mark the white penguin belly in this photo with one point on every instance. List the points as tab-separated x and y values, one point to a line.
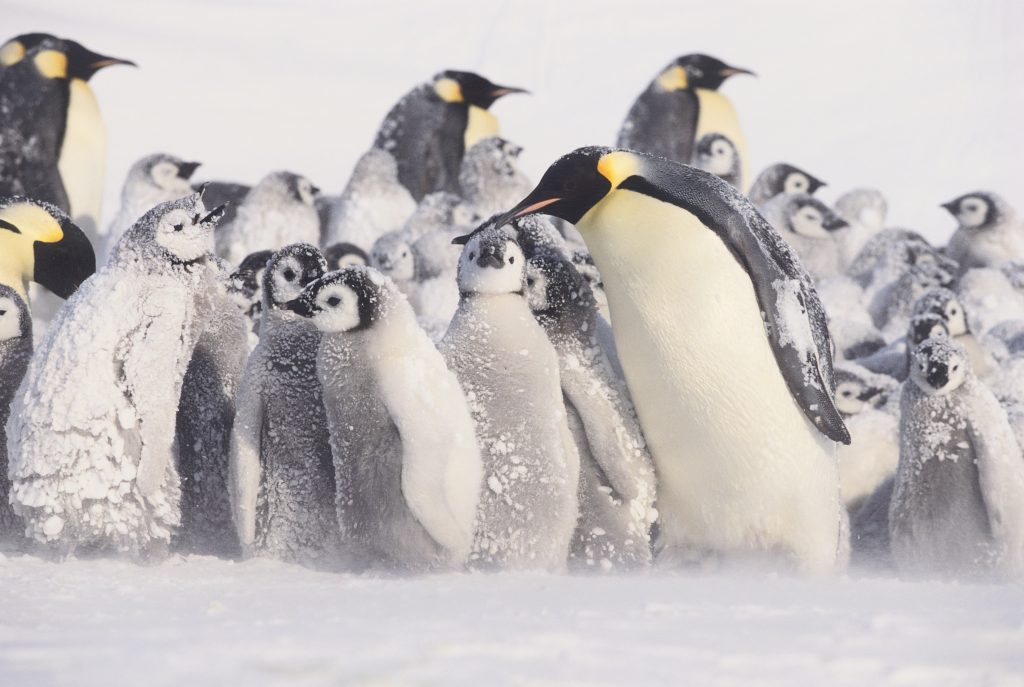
82	157
718	116
740	468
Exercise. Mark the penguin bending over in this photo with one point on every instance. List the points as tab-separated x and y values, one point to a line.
281	473
95	471
15	352
406	461
718	327
617	486
509	372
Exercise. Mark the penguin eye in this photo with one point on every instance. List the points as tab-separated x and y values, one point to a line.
955	368
511	259
289	274
404	253
472	255
529	280
179	227
333	301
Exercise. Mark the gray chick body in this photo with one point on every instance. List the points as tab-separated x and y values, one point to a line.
15	353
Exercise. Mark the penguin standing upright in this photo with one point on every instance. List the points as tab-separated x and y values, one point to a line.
508	370
725	349
406	461
93	431
988	234
15	352
617	487
680	107
430	128
281	474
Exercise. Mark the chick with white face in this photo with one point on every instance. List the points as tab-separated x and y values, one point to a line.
508	370
728	362
406	461
96	470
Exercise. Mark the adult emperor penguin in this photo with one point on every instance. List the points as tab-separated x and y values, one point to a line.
92	433
680	107
432	126
39	243
725	349
957	507
406	460
281	472
45	93
15	352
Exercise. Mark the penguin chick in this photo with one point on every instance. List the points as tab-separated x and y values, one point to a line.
206	413
958	502
15	352
278	211
490	178
782	178
437	211
432	126
891	307
988	234
392	256
944	303
717	155
894	359
867	403
433	295
809	226
373	203
888	255
246	289
152	180
281	473
508	370
865	210
95	471
341	255
407	463
990	296
617	485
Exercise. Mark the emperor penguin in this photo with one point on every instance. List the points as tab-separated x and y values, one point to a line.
944	303
39	243
92	433
725	350
45	93
432	126
152	180
717	155
278	211
509	371
989	232
247	289
617	485
281	473
15	352
406	461
810	227
206	413
373	203
957	507
341	255
782	177
680	107
490	179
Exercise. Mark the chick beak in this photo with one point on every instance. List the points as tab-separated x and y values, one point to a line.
214	216
187	169
300	306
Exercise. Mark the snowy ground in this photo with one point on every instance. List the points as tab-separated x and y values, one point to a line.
203	621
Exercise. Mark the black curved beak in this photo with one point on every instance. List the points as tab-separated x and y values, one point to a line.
214	216
869	393
950	207
315	190
84	63
527	206
187	169
726	72
835	224
301	306
500	91
63	265
489	258
938	375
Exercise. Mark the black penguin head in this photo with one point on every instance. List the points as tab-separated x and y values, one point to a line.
182	229
84	63
15	320
559	295
809	217
938	366
716	154
300	188
469	88
340	255
794	180
44	245
289	271
15	49
926	326
697	71
491	263
943	303
248	277
346	300
855	392
978	210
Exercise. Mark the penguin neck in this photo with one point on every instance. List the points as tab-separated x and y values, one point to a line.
82	156
480	124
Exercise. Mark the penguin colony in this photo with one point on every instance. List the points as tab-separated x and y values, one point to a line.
650	357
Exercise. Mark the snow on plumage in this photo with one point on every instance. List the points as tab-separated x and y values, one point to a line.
490	179
15	352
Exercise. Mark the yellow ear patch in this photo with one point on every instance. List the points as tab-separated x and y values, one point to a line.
449	90
11	53
673	79
52	64
618	166
35	223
